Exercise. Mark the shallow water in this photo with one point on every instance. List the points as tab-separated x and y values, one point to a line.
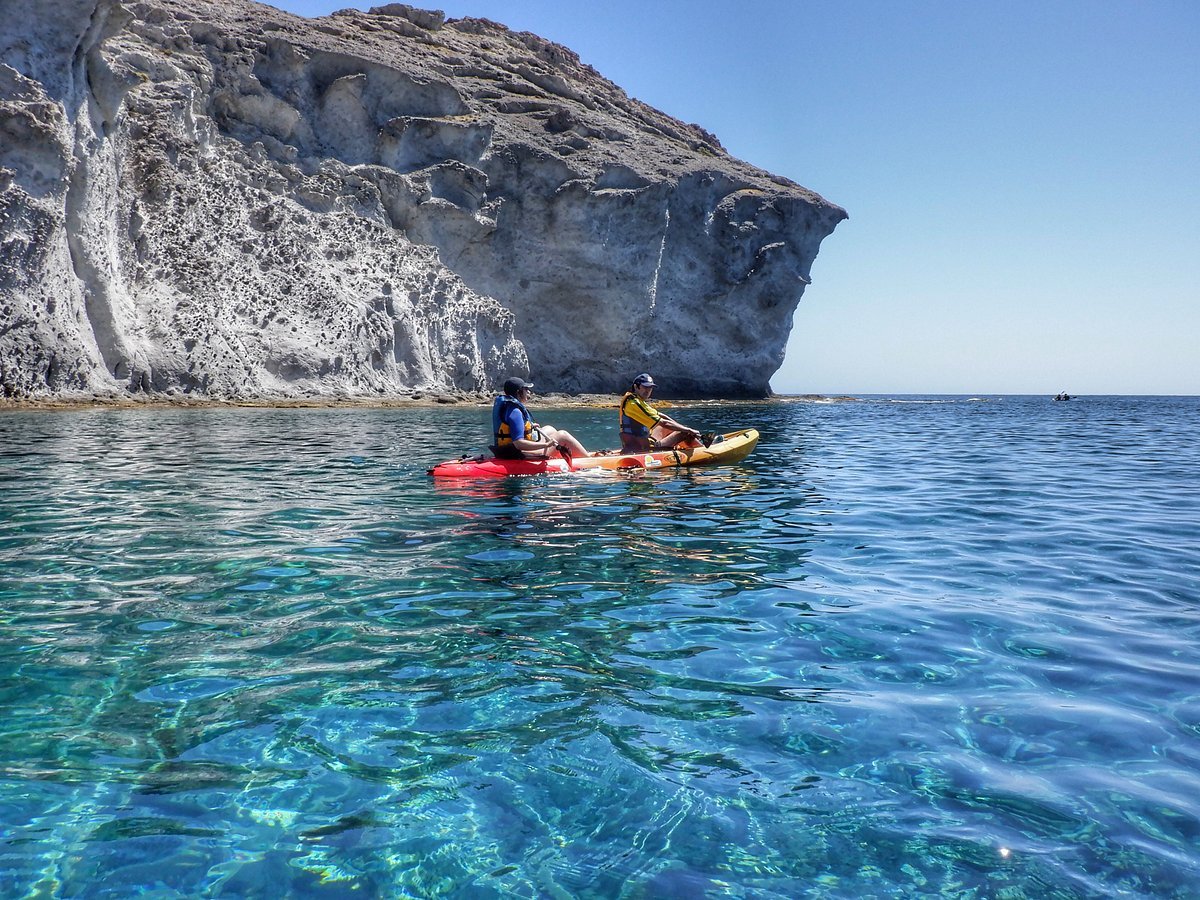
905	649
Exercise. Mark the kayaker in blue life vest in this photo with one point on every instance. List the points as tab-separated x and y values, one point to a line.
516	436
644	428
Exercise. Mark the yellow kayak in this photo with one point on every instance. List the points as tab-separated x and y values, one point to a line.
724	449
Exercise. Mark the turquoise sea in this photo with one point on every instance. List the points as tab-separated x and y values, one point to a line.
912	647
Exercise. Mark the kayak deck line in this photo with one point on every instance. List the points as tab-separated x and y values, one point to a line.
724	450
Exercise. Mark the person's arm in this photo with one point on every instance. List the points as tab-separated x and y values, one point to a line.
544	447
516	425
667	422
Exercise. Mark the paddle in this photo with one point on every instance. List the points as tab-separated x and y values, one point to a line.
566	454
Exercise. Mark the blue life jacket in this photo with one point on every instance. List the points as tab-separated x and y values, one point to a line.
500	410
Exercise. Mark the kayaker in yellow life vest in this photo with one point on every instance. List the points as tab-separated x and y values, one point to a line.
644	428
516	436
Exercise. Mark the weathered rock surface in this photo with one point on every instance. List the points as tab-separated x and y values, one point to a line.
217	198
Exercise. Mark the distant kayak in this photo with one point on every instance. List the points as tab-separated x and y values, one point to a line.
725	449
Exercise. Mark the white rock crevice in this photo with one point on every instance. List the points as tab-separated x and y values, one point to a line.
662	246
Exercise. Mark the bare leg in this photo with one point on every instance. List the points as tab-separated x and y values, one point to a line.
665	440
565	438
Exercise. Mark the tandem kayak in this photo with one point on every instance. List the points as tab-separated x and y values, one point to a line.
725	449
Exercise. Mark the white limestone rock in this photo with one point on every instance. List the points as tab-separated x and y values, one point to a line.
217	198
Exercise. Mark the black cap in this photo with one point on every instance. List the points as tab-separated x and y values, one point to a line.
513	385
644	379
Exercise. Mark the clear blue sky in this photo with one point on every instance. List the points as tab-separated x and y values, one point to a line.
1022	178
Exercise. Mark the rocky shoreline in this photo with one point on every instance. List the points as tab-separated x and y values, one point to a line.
416	401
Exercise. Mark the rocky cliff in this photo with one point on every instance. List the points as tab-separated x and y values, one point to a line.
214	197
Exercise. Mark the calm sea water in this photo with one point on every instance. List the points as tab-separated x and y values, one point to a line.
908	648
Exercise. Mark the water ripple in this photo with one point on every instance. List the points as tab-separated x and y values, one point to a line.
905	649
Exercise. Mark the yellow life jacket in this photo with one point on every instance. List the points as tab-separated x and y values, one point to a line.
636	416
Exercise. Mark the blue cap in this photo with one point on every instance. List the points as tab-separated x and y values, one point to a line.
644	379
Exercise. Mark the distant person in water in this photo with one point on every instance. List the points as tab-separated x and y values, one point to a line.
644	428
516	436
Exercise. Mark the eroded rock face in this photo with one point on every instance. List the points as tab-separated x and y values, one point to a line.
219	198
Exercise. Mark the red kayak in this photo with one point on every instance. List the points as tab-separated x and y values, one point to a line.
725	448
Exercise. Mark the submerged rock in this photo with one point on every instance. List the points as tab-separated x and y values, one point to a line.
217	198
